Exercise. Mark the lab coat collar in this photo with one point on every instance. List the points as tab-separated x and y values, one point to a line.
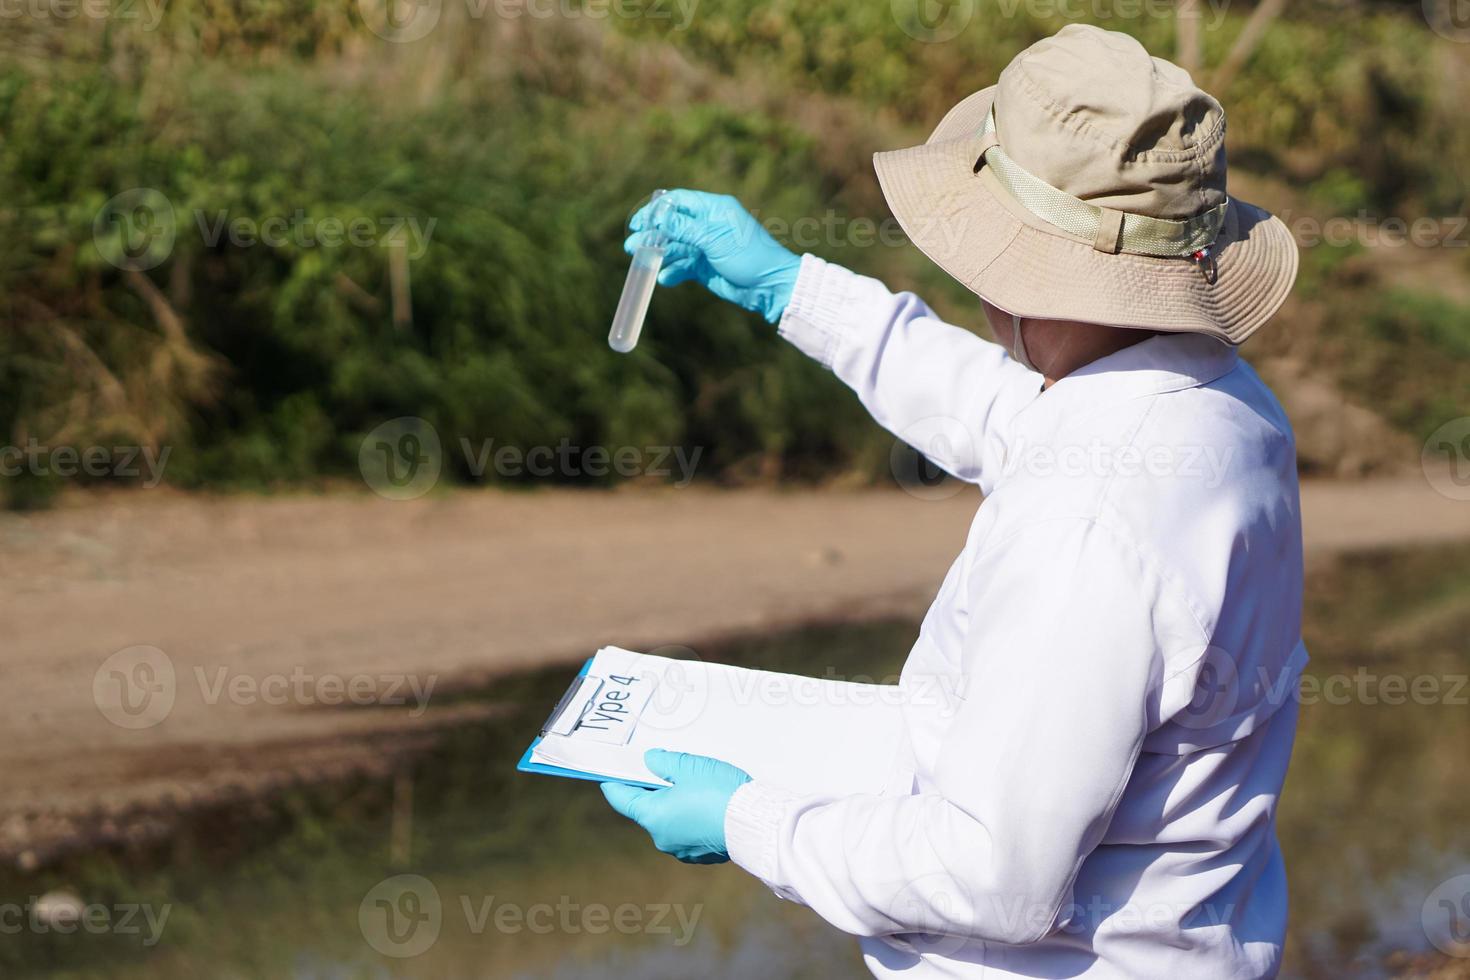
1167	362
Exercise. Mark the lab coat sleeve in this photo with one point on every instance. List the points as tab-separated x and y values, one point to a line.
940	388
1061	657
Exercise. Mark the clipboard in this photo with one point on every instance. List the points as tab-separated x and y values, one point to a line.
812	735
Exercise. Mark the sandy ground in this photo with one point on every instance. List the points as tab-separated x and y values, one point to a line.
274	615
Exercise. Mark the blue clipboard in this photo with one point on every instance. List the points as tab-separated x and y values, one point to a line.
526	765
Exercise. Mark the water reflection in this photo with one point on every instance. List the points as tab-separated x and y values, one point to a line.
1376	812
510	875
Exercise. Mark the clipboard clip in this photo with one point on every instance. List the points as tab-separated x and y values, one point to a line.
584	687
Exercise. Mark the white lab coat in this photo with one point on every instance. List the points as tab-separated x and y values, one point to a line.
1094	746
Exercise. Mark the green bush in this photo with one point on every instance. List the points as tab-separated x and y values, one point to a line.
518	201
1409	352
512	151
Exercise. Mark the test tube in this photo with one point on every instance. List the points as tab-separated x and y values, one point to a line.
637	291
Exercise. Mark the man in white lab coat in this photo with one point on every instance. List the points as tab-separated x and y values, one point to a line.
1119	638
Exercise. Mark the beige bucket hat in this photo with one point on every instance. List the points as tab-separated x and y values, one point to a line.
1089	184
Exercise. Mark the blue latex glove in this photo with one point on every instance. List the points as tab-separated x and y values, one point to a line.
715	241
686	819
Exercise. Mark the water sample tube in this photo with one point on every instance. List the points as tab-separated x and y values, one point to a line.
637	291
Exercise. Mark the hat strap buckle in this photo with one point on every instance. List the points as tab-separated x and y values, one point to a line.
1204	260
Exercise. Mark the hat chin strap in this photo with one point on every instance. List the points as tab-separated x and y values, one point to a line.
1018	346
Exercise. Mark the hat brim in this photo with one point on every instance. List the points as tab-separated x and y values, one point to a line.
1008	256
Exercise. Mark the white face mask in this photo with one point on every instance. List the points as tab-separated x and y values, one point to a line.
1018	345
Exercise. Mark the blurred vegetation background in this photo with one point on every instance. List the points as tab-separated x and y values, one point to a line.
521	143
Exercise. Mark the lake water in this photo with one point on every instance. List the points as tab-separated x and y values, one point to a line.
485	872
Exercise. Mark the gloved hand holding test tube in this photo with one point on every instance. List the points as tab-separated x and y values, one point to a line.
710	238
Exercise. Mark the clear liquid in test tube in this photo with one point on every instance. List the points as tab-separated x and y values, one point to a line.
637	292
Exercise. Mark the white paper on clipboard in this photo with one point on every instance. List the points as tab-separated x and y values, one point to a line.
805	734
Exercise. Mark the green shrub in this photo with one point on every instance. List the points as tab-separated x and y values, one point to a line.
512	152
518	202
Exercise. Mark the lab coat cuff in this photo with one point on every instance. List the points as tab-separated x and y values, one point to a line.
815	315
752	824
